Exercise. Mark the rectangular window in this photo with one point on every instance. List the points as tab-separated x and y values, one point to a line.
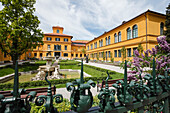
76	55
65	47
135	48
84	55
48	46
80	55
88	47
57	39
35	54
72	55
91	46
29	54
115	53
40	54
109	54
65	54
65	39
48	38
119	53
108	40
58	31
129	52
57	47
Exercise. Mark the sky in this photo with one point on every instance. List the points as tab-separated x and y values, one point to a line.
87	19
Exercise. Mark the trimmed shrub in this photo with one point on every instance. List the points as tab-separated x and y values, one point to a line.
44	83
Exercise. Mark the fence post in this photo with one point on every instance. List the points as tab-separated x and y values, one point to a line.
166	106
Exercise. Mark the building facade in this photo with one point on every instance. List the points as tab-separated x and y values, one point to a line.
143	29
60	44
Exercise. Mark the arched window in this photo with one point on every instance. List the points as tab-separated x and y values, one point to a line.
135	31
108	40
119	36
101	42
115	38
128	33
161	28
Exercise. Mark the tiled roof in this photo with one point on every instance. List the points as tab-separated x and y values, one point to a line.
78	45
57	34
80	41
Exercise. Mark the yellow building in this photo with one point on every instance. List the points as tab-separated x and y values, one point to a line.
78	49
142	29
57	42
60	44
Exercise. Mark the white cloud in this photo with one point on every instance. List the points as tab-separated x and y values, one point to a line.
86	19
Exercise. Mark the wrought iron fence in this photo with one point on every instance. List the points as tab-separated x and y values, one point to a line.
149	97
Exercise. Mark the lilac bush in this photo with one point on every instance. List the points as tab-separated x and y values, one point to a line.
142	63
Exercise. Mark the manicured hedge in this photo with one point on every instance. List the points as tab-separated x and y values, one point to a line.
44	83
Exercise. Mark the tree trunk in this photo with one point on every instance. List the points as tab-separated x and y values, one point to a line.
14	59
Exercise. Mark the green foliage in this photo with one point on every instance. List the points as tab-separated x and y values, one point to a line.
5	86
103	55
123	51
96	101
97	55
140	49
63	106
83	51
36	109
167	24
112	60
19	27
92	55
68	62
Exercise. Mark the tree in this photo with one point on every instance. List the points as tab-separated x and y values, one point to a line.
140	49
123	51
103	55
92	56
167	24
111	57
97	55
83	51
19	30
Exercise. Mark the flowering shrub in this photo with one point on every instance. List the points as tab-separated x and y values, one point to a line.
143	63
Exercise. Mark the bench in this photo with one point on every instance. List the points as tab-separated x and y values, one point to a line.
40	91
110	82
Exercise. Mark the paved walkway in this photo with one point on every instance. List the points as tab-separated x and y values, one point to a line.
5	64
67	94
104	66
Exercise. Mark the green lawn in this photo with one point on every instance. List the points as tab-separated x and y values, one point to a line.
22	68
71	74
91	71
40	62
23	78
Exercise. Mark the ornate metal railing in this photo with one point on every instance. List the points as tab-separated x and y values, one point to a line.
16	104
149	94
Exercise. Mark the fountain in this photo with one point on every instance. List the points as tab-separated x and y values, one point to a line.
53	71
